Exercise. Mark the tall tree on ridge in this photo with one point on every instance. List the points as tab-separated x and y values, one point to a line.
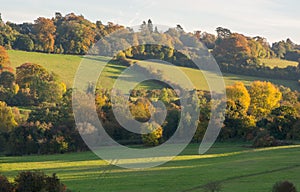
44	30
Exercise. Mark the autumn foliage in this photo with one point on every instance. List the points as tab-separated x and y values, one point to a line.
4	60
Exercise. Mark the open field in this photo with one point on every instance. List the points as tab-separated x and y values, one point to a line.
238	169
279	63
197	77
66	67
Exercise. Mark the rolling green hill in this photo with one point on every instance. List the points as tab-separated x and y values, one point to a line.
66	66
237	168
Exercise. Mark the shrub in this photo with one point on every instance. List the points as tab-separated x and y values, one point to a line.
284	186
5	185
263	139
53	184
37	182
30	182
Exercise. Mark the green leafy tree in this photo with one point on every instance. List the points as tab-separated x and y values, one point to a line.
281	122
40	82
223	33
7	35
289	97
7	79
8	87
75	34
7	119
281	48
24	42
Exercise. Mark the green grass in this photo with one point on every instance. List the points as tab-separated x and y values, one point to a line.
281	63
237	167
66	67
197	78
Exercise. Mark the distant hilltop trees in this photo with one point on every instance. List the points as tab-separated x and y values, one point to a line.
73	34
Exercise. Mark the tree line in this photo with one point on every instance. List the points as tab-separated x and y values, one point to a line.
69	34
73	34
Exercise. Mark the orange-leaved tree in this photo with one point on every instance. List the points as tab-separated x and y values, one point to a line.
44	34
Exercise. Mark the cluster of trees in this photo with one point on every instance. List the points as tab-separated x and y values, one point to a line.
237	49
239	54
73	34
287	50
30	84
32	182
50	126
141	109
235	53
261	112
70	34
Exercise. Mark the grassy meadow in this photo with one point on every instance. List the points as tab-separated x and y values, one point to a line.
66	67
279	63
237	167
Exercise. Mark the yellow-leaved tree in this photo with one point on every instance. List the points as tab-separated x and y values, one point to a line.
238	124
153	138
264	98
7	118
239	97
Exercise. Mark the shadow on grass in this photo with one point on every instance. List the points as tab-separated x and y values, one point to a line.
179	175
245	176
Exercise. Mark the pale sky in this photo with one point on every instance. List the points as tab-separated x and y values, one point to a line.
273	19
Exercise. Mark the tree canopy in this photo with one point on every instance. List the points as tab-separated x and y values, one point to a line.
264	98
